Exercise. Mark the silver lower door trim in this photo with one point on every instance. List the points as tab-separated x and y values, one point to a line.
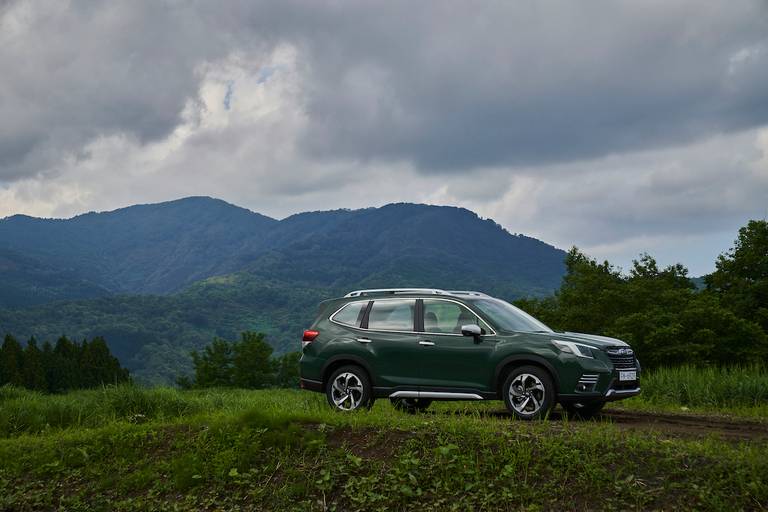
435	394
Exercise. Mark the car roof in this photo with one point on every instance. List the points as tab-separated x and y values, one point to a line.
389	292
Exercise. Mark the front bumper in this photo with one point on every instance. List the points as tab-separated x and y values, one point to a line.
619	394
599	382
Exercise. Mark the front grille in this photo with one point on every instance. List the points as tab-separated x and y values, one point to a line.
622	362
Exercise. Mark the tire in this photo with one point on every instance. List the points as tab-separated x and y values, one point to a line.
583	411
529	393
349	389
410	405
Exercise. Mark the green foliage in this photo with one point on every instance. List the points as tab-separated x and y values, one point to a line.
287	375
741	278
213	368
251	363
34	368
246	363
68	365
658	311
11	362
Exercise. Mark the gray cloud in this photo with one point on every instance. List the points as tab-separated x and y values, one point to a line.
447	85
617	126
454	85
78	71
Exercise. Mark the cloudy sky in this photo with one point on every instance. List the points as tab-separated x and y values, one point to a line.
619	127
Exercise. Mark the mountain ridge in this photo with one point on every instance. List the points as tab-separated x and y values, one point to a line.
160	280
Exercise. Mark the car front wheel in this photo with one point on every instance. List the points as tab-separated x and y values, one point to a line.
529	393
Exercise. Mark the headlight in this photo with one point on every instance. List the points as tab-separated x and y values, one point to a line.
576	349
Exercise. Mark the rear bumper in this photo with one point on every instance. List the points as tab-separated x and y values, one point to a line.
311	385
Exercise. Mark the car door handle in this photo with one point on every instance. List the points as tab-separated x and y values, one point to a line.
363	340
426	343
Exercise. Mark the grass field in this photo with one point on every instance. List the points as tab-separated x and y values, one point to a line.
129	448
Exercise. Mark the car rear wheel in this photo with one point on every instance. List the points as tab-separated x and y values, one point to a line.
411	405
583	410
529	393
349	389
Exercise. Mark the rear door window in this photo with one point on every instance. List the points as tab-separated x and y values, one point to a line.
351	314
392	315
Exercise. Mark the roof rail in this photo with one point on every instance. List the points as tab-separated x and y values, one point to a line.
395	291
467	292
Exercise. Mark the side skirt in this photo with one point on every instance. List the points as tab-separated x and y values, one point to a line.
434	394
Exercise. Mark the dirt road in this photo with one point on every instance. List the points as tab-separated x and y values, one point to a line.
689	424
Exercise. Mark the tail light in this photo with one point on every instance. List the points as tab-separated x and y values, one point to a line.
309	337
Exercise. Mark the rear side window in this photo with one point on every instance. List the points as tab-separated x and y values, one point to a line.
350	314
392	315
442	316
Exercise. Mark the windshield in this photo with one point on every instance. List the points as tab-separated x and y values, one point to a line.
507	317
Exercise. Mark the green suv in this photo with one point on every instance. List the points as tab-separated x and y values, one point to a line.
414	346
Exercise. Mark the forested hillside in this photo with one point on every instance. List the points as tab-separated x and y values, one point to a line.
257	274
161	248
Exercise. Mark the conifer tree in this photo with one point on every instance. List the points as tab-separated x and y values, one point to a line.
11	361
65	362
33	370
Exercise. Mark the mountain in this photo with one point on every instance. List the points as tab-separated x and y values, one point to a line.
160	280
410	244
155	248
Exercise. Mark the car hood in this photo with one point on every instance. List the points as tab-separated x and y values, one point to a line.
590	339
594	340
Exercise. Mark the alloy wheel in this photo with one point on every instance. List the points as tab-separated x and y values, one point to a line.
526	394
347	391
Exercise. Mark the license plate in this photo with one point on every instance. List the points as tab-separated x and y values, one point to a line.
628	375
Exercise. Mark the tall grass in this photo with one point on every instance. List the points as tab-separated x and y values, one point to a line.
707	388
734	390
33	412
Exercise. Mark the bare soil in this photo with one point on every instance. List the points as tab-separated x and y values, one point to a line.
671	424
735	429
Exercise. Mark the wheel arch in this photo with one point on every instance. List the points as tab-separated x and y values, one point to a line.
510	363
336	362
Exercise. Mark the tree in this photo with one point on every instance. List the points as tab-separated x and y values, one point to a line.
49	366
33	370
246	363
591	295
64	369
659	311
253	366
213	367
98	366
288	370
11	357
741	275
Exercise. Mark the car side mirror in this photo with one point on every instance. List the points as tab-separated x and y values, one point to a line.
472	330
